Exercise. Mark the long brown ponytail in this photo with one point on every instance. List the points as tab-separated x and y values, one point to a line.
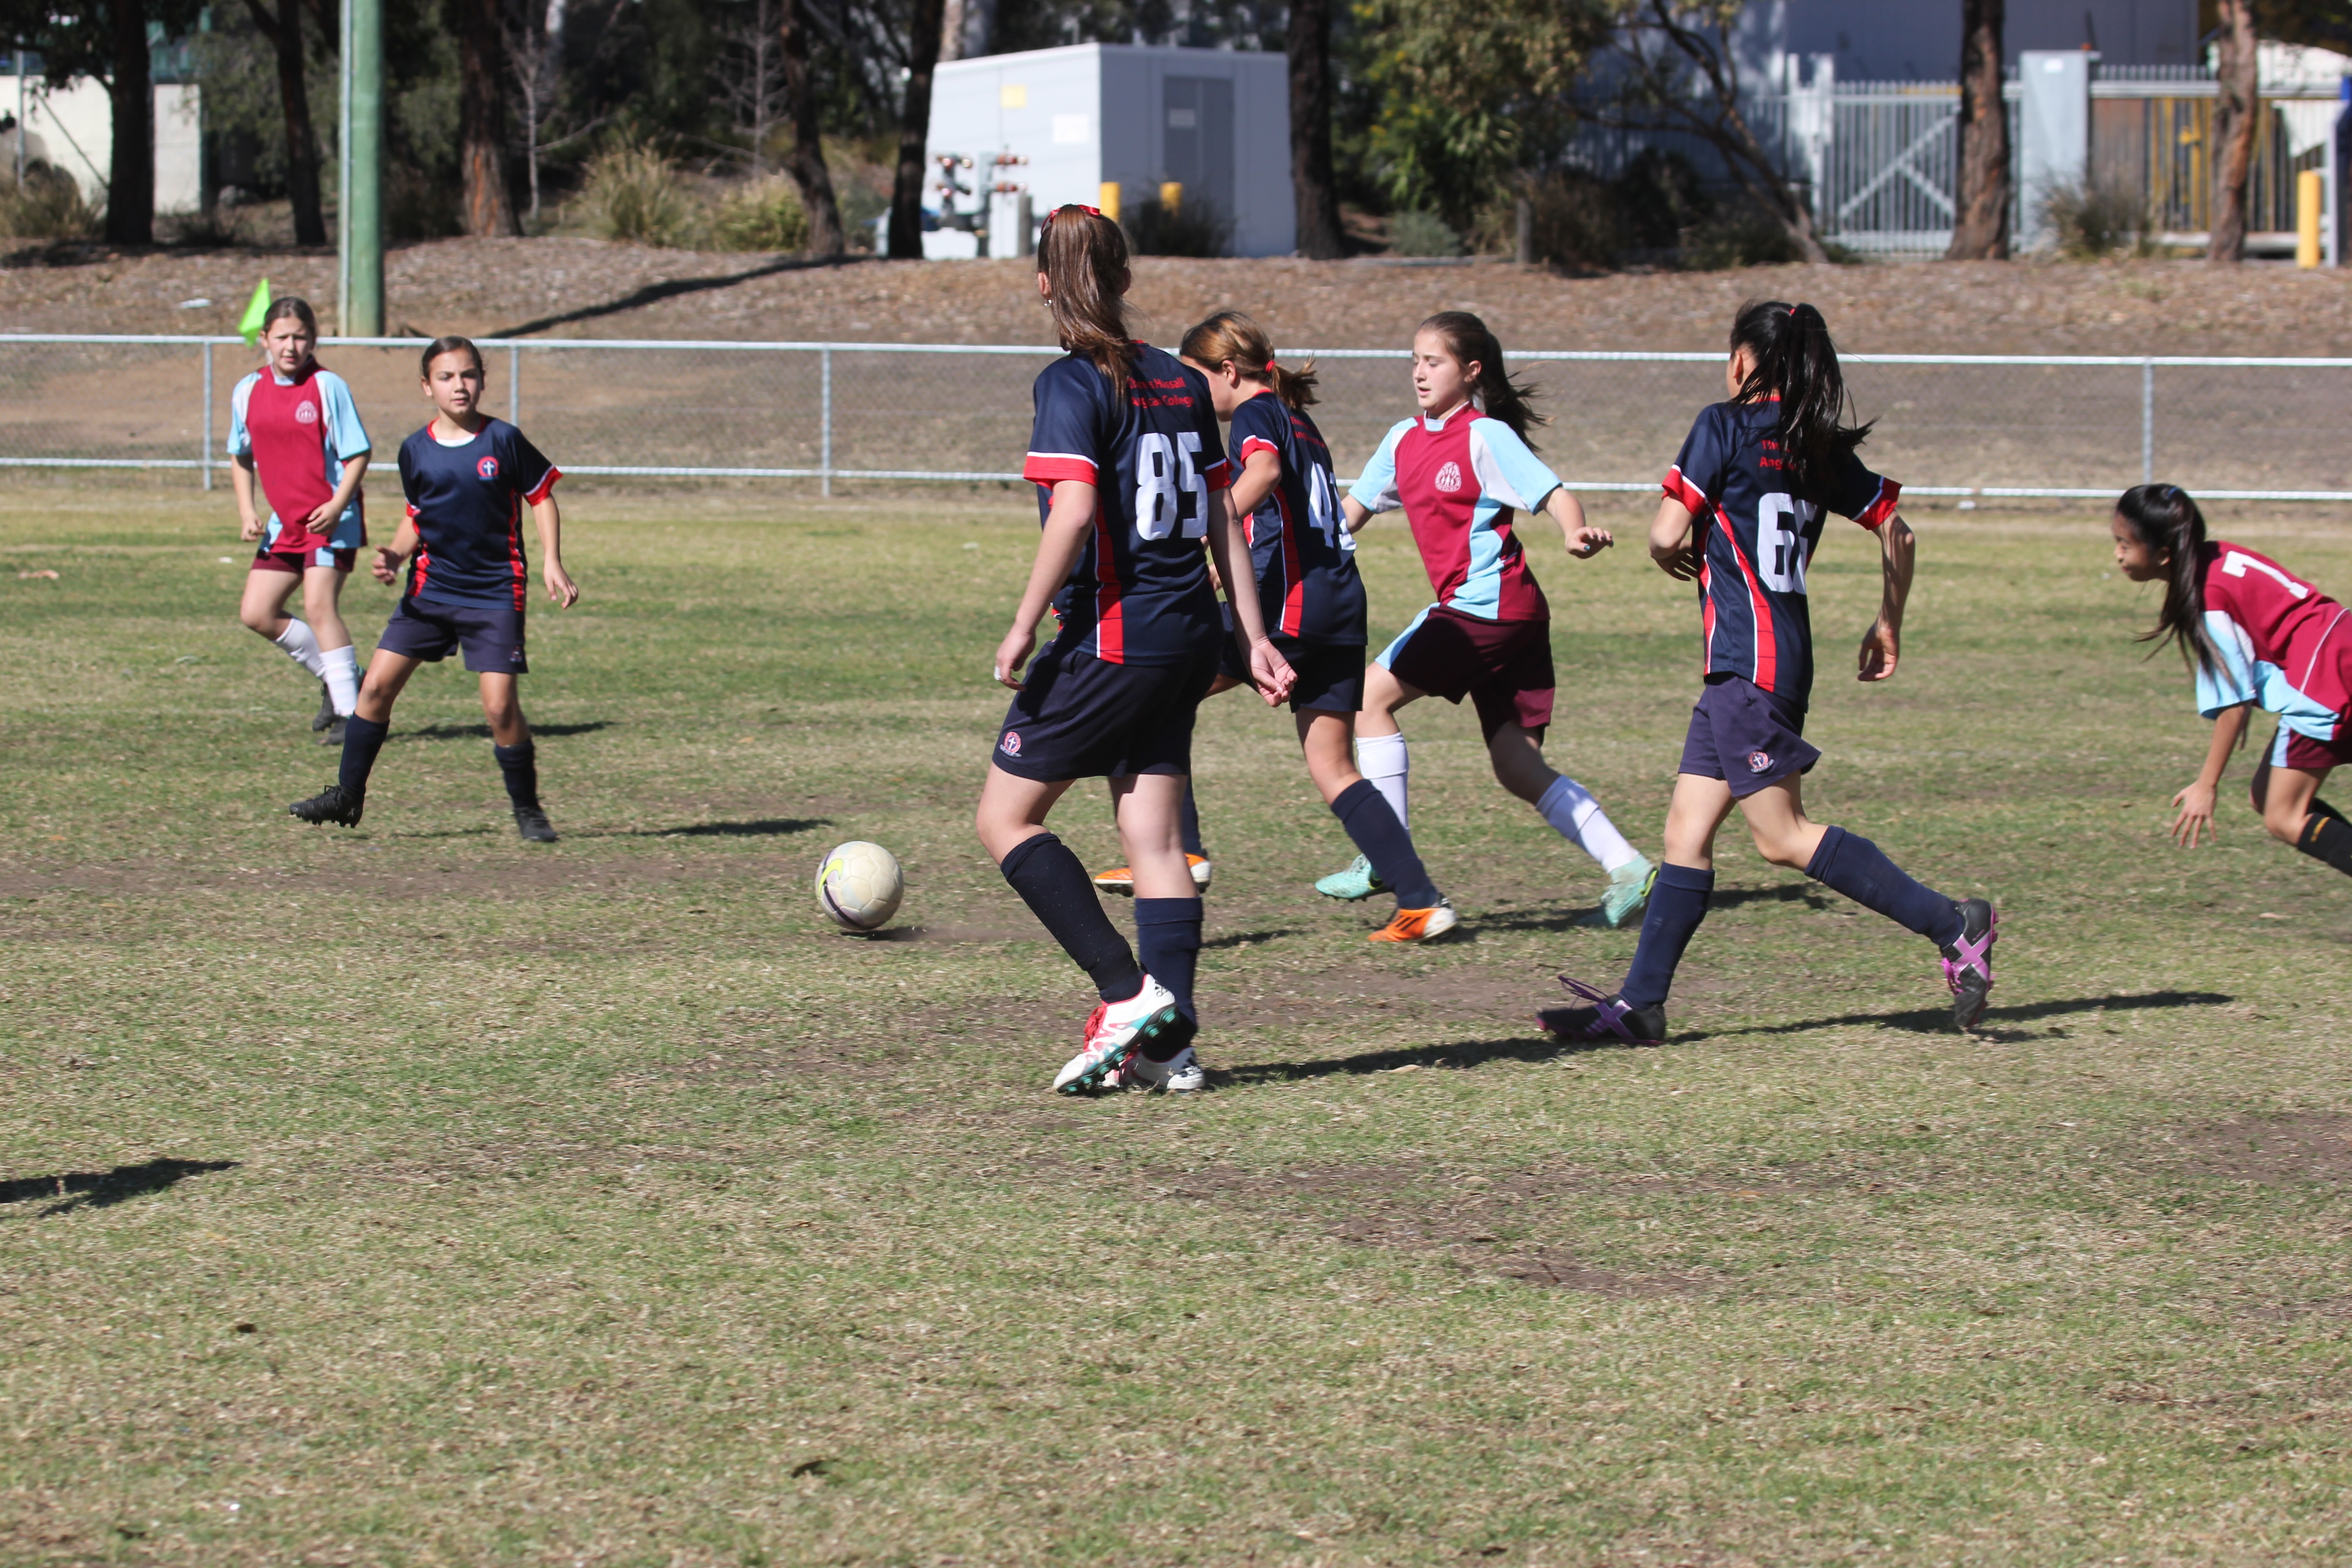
1498	396
2166	519
1797	363
1082	255
1231	335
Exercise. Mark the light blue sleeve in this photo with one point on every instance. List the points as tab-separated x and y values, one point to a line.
2233	684
1375	489
240	439
1507	470
350	437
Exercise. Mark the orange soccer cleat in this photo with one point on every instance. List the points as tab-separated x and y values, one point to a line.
1418	925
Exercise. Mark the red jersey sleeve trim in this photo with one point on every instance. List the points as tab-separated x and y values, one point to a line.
1053	467
1683	490
1879	510
545	485
1219	475
1252	445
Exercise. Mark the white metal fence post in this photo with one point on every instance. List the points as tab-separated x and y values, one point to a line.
2147	421
824	437
514	384
205	456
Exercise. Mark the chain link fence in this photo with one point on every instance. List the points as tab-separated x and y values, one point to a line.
836	413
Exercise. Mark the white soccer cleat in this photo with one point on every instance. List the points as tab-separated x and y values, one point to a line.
1116	1029
1180	1074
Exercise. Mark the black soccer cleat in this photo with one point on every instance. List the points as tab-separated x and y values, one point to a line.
1607	1019
1968	963
333	803
332	735
326	713
532	824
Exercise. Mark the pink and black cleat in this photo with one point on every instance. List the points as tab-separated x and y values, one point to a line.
1968	963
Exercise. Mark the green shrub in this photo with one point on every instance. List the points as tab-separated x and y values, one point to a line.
1415	231
1744	238
47	205
633	192
1575	222
1191	228
764	214
2099	219
1660	200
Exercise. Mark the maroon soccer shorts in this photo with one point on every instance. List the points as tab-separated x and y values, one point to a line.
1502	667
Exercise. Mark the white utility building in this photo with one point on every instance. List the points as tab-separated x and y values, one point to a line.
1215	120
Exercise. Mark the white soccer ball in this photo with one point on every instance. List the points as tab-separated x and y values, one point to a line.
860	885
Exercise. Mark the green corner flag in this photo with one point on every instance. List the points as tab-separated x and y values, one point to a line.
254	312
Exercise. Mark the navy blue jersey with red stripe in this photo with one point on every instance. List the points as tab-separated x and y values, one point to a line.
1307	586
468	500
1140	593
1759	539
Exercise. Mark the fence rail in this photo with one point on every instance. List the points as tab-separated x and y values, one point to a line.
2004	426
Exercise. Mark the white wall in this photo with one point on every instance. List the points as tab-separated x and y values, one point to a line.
1898	40
72	127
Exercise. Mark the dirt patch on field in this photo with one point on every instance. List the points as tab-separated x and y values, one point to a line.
1468	1220
585	287
2275	1151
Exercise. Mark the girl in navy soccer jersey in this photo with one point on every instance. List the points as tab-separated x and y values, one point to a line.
292	425
468	477
1462	470
1741	516
1310	596
2255	636
1131	477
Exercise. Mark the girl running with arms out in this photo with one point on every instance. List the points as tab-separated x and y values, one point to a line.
1310	598
1461	468
1131	477
293	424
2255	636
1741	516
468	477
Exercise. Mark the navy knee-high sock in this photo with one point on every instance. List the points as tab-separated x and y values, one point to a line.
1677	904
1372	825
363	739
520	766
1189	824
1168	935
1856	867
1057	890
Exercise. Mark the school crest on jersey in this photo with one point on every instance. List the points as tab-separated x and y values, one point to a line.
1010	744
487	467
1449	477
306	412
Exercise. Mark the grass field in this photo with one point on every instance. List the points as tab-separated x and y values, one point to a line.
415	1196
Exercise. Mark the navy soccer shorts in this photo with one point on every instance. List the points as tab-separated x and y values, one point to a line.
490	635
1076	717
1746	736
1330	675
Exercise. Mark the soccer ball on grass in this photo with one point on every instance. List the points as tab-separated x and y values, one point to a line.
859	885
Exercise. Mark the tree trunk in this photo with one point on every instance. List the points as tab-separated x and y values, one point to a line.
2233	131
130	179
914	134
302	140
806	162
1320	237
482	120
952	30
1981	206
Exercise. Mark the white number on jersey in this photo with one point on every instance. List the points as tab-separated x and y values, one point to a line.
2233	564
1164	474
1781	548
1323	509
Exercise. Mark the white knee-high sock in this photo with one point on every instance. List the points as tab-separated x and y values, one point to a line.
301	646
1570	807
340	671
1381	758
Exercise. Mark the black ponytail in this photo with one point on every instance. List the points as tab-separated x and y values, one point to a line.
1796	362
2166	520
1498	396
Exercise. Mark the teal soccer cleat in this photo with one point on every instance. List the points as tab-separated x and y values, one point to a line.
1629	891
1355	882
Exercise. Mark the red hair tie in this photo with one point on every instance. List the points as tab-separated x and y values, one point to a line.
1269	364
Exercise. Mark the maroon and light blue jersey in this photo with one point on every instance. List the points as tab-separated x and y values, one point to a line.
1140	593
300	433
2284	646
467	499
1758	538
1460	479
1304	553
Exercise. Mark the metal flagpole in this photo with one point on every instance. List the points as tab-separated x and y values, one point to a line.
363	196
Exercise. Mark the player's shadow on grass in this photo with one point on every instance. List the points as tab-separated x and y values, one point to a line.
1248	938
1938	1020
1459	1053
1589	915
103	1189
482	731
760	827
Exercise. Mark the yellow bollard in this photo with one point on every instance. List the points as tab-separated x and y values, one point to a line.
1171	195
2308	203
1109	200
